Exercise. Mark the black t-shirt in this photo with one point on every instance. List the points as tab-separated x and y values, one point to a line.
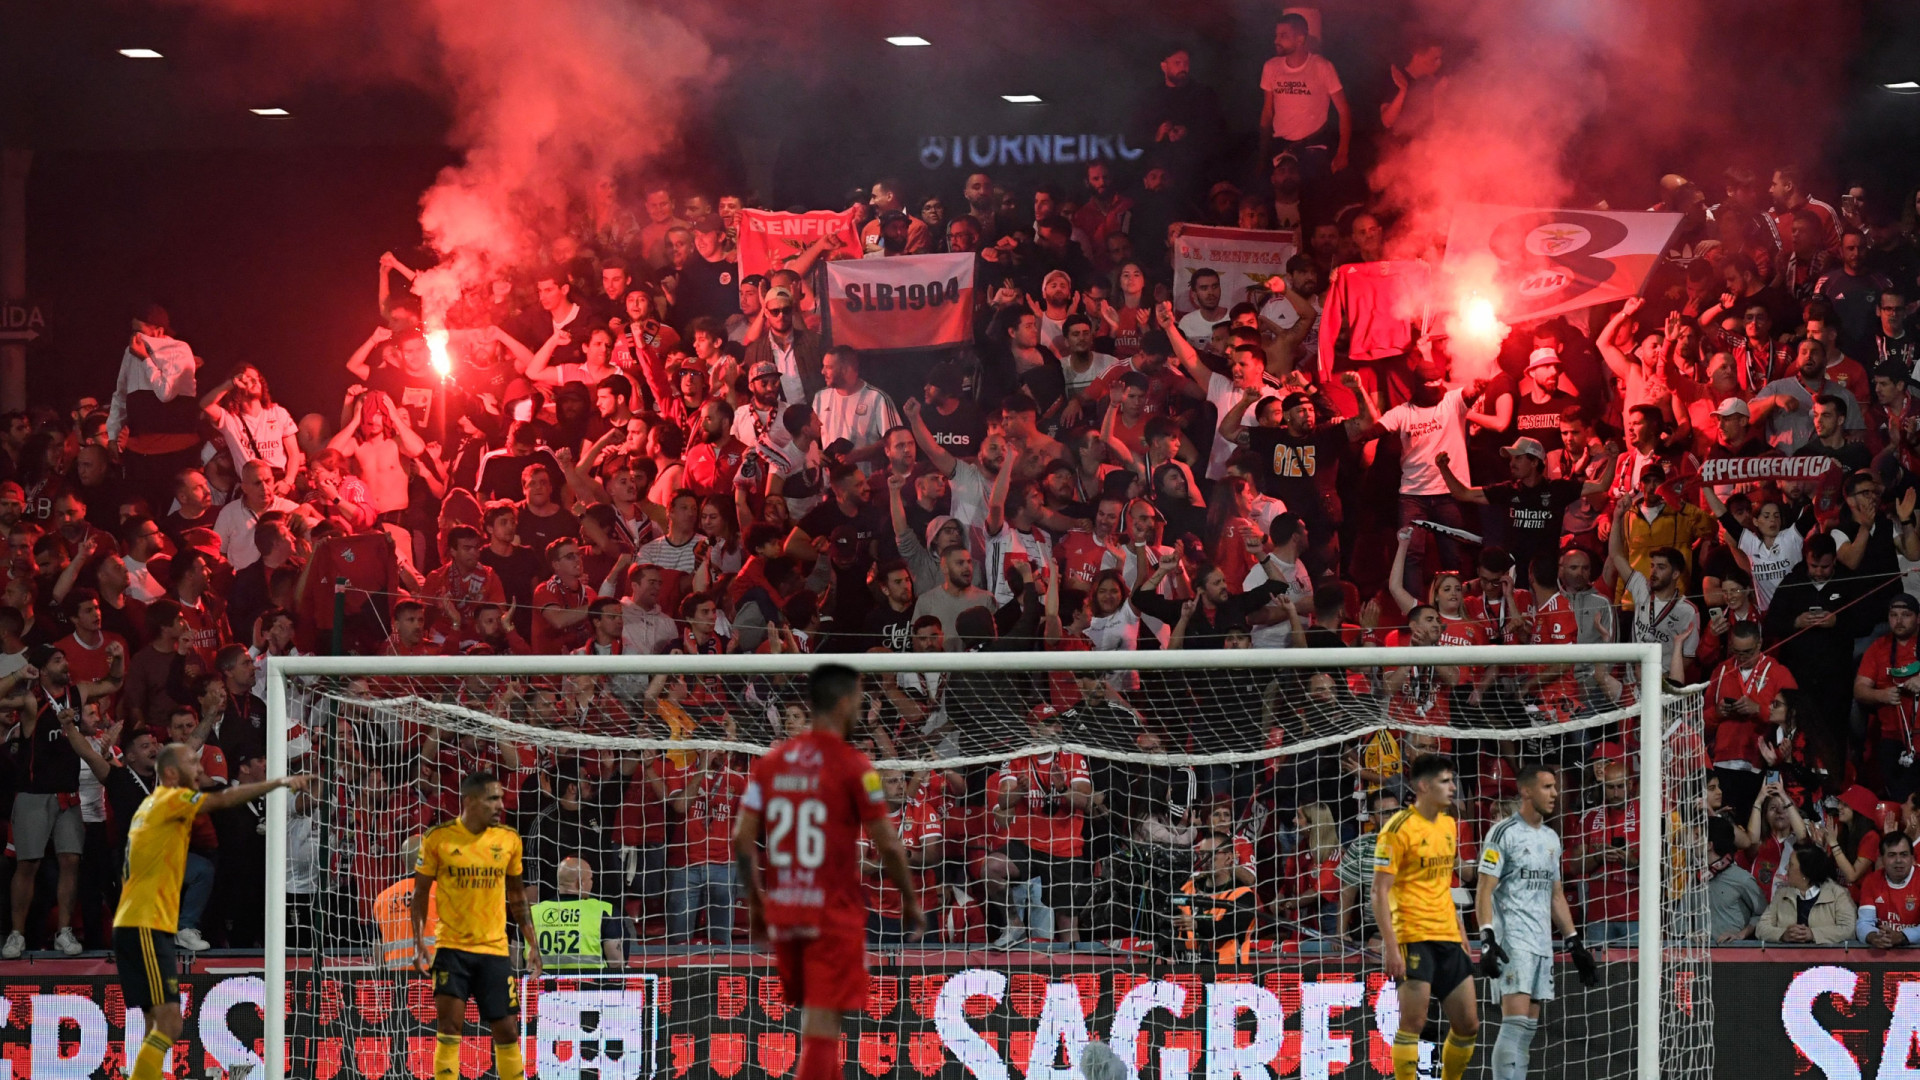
519	573
959	434
53	765
1541	419
1533	514
242	728
500	476
176	523
1302	470
868	521
706	288
423	395
889	629
126	790
537	532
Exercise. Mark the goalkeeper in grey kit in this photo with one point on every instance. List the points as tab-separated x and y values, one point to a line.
1519	901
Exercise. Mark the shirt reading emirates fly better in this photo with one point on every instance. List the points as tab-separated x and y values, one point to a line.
471	875
814	794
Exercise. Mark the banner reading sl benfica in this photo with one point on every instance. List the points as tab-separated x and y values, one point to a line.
903	302
1550	261
1244	258
769	239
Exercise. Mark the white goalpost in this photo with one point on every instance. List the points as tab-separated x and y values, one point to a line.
1070	810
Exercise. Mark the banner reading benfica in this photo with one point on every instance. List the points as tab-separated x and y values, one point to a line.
1550	261
1245	258
770	239
903	302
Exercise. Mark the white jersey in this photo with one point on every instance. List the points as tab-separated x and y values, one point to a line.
1524	861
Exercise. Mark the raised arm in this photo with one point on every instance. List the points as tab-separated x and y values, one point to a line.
357	364
210	402
1396	578
1617	362
1454	487
997	494
936	453
538	364
1617	541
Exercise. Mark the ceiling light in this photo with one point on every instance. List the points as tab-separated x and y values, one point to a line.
140	54
275	112
1909	85
908	41
1021	99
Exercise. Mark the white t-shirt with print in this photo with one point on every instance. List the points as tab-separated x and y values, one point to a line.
1424	434
1301	95
263	435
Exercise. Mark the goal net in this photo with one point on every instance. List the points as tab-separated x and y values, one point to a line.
1169	852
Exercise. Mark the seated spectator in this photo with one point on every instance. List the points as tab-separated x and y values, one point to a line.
1810	908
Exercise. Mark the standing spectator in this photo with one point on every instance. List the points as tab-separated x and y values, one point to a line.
1298	85
706	285
1610	855
561	602
1889	682
252	426
517	566
700	875
1431	423
1739	698
237	519
46	809
153	400
1854	294
1532	505
853	409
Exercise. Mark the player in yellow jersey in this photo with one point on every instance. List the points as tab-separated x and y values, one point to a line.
471	867
149	912
1421	935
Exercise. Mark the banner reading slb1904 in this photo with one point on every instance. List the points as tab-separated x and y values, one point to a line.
904	302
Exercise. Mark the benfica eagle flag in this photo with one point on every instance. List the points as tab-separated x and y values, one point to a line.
1550	261
771	239
901	302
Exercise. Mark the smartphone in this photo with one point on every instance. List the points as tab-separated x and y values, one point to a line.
1772	777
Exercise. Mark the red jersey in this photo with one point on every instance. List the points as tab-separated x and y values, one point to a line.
553	593
1735	737
814	794
366	560
206	626
467	591
918	823
1494	615
1042	818
1899	723
1162	382
1768	864
707	832
1613	893
1893	908
1079	556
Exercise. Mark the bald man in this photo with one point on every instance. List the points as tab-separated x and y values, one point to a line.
577	932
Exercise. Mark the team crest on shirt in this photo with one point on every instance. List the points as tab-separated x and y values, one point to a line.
1909	905
496	849
726	277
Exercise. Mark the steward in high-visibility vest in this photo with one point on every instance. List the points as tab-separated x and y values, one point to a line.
393	914
1216	912
569	927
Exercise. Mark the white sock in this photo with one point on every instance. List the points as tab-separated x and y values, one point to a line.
1511	1049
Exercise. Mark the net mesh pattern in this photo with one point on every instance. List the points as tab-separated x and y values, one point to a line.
1098	838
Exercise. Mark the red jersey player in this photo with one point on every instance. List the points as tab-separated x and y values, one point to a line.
815	794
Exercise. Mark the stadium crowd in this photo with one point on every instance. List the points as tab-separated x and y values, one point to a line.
640	451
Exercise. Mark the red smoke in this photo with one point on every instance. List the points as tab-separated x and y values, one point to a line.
549	99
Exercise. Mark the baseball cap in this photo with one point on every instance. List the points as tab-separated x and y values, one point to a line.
765	369
576	391
1530	447
1904	600
1224	185
710	224
12	492
1732	406
776	294
1294	400
1543	356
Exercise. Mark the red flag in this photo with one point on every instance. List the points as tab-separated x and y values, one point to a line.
769	240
